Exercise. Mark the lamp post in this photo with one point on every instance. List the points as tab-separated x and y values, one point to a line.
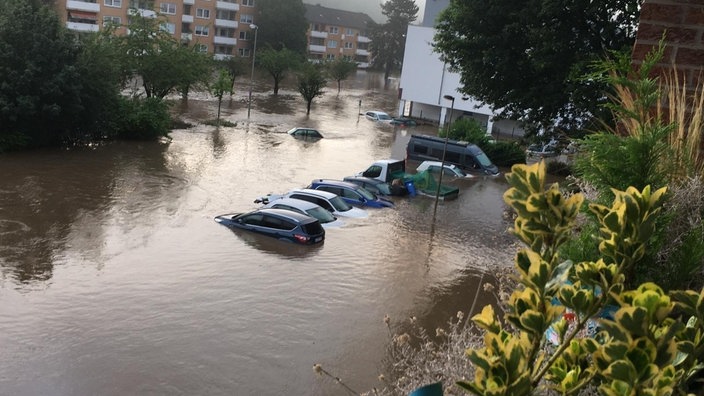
251	79
444	150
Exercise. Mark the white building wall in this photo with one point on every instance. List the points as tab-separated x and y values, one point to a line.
425	80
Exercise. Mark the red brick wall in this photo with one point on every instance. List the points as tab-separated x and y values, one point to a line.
682	21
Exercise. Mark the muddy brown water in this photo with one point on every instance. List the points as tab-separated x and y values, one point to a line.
115	280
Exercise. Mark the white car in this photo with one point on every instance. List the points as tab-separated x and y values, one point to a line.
327	200
450	170
378	116
327	219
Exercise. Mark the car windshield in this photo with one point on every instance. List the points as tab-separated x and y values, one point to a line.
383	188
384	116
484	160
339	204
321	214
366	194
460	172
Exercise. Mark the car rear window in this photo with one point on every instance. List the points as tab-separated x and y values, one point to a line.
313	228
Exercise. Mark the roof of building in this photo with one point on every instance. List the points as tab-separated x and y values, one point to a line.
330	16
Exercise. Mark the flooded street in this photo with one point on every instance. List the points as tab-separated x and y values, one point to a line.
115	280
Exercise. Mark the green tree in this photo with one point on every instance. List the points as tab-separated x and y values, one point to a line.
528	59
389	39
340	69
222	84
235	66
277	63
152	51
311	82
282	24
40	89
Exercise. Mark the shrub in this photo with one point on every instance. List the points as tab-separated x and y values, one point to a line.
145	119
504	153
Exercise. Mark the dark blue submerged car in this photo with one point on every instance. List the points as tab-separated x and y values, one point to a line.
352	193
281	224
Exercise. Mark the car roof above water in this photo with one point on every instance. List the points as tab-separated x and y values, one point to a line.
310	191
297	217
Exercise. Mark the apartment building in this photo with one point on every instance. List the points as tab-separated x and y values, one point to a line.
224	27
334	34
221	27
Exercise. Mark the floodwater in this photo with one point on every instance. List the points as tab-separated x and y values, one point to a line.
115	280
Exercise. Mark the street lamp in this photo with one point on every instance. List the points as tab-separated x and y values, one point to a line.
251	79
444	150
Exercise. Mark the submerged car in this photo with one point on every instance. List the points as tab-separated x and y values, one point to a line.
403	121
308	133
283	225
378	116
376	186
328	201
325	218
449	170
542	150
353	194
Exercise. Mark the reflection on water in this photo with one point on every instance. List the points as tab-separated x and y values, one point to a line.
114	278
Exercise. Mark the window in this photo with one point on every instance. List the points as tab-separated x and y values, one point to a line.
334	30
246	18
202	48
142	4
203	13
330	57
349	31
332	44
348	45
243	52
112	20
248	3
451	156
168	27
245	35
202	30
223	49
113	3
168	8
226	14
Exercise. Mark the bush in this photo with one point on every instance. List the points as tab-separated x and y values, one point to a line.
145	119
504	154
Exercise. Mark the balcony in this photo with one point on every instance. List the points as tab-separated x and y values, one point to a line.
82	6
224	40
226	23
316	48
142	12
225	5
363	39
189	2
318	34
187	18
362	52
82	27
221	56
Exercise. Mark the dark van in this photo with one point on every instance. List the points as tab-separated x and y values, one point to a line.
465	155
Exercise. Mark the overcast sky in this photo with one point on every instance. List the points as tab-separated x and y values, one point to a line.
369	7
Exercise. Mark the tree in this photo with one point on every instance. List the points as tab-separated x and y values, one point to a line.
282	24
528	59
235	67
40	83
278	63
221	85
389	39
340	69
311	83
153	50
